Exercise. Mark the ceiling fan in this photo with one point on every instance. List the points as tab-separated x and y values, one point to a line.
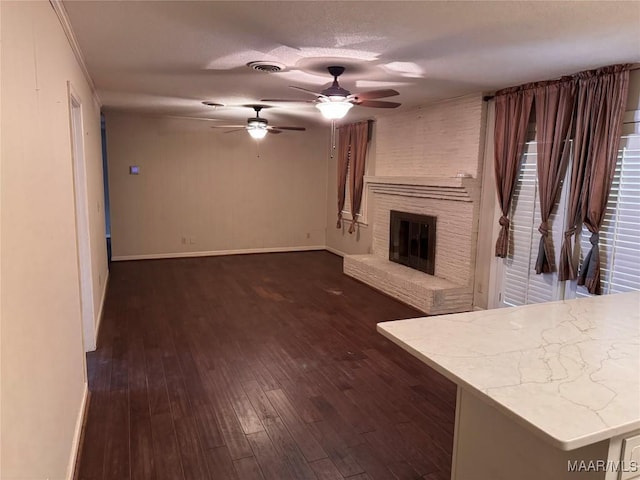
334	102
257	126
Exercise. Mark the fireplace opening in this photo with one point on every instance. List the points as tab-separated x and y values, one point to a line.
412	240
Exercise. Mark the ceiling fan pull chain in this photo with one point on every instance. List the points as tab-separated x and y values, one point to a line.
333	137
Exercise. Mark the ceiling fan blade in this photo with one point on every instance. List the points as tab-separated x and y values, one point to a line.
298	129
317	94
274	130
285	100
235	130
378	104
376	94
228	126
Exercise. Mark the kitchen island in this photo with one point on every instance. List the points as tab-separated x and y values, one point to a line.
545	392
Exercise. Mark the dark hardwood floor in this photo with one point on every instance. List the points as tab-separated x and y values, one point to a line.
258	367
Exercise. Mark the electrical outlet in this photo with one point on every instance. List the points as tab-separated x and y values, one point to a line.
192	240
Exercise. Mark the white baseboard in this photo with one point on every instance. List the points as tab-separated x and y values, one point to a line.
77	434
335	251
215	253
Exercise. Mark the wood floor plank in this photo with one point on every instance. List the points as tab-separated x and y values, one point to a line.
156	383
301	400
336	449
230	429
287	447
166	455
208	428
309	446
141	449
213	367
272	463
231	391
119	371
248	469
220	464
403	459
326	470
176	390
193	460
370	462
116	457
259	400
339	424
91	464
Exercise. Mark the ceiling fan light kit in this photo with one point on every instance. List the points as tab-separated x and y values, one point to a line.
257	126
334	110
334	102
257	132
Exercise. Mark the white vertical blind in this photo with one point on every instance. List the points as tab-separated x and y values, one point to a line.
620	230
619	234
521	285
346	211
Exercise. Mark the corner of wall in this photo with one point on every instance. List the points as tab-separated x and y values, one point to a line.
486	218
78	434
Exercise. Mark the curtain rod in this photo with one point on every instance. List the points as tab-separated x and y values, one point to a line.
486	98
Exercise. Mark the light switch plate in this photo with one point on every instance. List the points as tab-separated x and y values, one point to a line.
630	458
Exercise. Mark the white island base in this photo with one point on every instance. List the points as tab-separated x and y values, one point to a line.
545	392
488	445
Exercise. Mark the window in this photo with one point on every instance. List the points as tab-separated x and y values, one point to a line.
346	211
520	284
619	234
620	231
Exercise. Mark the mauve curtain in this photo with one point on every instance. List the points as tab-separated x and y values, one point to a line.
359	143
344	134
554	112
513	110
602	97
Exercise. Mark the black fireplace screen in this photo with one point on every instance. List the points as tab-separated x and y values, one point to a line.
412	240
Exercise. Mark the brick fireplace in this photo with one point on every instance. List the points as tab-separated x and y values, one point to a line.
454	201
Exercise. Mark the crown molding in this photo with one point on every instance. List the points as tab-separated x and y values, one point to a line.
63	17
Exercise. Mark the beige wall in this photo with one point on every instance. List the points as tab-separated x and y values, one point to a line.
486	262
43	377
209	188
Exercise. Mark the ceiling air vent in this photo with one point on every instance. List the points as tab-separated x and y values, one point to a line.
269	67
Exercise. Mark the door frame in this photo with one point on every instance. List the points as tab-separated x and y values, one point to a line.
81	204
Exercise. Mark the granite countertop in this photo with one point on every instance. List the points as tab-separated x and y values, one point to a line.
569	371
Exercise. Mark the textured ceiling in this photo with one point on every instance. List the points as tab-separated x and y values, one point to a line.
166	57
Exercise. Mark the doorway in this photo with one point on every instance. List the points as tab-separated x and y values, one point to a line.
82	221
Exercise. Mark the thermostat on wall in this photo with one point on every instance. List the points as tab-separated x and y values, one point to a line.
134	170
